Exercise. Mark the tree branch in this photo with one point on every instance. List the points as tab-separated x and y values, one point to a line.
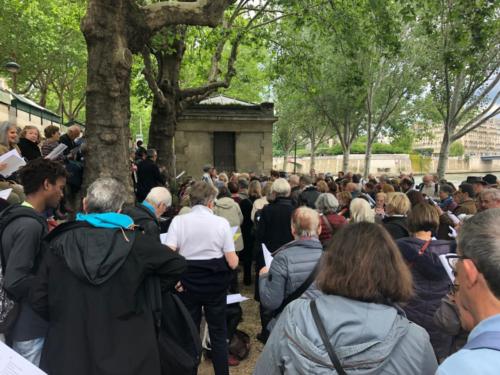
149	76
197	13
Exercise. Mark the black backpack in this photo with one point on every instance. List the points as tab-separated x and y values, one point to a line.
179	343
9	309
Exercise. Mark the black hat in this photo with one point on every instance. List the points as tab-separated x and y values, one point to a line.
490	179
475	180
467	188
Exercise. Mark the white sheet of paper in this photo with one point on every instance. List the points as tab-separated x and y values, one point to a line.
453	217
163	238
57	151
268	258
453	233
235	298
13	160
234	230
4	194
12	363
446	266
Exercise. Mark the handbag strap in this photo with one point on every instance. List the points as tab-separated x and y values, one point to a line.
299	291
424	247
324	337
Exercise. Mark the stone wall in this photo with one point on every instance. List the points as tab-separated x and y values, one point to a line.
194	144
391	164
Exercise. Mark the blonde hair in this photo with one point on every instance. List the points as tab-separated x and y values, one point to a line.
397	204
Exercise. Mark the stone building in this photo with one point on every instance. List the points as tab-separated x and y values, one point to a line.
230	134
483	141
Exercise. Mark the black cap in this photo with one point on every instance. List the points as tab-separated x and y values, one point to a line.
475	180
490	179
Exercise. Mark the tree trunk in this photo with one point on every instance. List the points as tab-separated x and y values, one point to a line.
443	155
108	91
368	159
313	159
161	135
285	161
345	159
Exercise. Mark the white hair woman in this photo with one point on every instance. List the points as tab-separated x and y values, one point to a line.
327	206
8	142
361	211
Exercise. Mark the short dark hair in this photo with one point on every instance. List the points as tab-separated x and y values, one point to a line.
356	178
223	193
50	130
423	217
306	180
467	188
233	187
446	189
380	275
34	174
415	197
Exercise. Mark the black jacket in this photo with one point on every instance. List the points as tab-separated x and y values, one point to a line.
397	226
148	177
147	220
21	243
308	197
65	139
91	290
29	150
274	226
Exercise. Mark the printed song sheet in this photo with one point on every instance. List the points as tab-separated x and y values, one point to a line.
12	363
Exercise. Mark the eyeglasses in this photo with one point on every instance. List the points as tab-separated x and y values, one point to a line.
453	260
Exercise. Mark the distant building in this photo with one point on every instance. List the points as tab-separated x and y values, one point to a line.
230	134
483	141
22	111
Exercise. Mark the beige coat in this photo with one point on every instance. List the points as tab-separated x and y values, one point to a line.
230	210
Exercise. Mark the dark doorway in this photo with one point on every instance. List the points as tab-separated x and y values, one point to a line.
224	151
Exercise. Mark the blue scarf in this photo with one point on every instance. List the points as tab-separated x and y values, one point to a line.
106	220
149	207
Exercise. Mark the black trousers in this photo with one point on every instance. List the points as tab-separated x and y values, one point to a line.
214	306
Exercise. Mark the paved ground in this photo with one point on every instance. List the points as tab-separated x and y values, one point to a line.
250	325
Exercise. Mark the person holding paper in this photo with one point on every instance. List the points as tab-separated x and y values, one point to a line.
431	282
21	241
477	296
91	289
52	136
206	241
28	143
292	264
8	142
148	213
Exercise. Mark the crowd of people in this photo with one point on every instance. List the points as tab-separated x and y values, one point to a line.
375	275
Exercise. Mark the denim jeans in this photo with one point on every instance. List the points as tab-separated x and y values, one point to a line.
214	307
30	350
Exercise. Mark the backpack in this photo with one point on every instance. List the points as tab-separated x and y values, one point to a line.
179	343
9	309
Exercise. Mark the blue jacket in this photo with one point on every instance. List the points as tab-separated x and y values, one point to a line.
368	338
292	264
478	361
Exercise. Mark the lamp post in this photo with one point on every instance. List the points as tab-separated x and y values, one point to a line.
13	68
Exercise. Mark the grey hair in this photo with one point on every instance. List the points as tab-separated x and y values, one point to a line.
305	222
479	240
327	203
105	194
361	211
493	193
151	152
159	195
202	193
4	129
281	188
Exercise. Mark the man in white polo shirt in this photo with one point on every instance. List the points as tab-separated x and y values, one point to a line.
206	241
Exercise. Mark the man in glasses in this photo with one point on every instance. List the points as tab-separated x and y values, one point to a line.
477	268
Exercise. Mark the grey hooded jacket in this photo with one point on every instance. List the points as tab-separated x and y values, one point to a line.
292	264
368	338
